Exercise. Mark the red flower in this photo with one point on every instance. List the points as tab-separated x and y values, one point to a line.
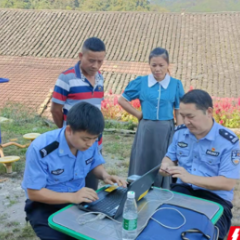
191	88
115	101
104	104
136	103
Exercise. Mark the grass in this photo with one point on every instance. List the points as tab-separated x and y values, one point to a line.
118	146
12	224
120	125
116	151
126	163
112	170
14	231
12	202
25	233
3	218
17	130
24	121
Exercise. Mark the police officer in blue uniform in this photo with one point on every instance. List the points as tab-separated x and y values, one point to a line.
57	163
204	156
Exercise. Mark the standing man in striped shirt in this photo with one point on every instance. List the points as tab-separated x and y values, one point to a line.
81	83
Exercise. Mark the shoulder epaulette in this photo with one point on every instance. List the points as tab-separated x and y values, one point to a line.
180	127
227	135
48	149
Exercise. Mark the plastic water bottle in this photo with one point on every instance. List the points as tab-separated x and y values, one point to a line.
130	216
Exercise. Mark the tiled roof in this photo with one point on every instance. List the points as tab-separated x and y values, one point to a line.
35	46
32	79
204	48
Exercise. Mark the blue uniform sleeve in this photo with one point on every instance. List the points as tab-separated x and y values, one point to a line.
35	175
179	94
172	149
98	159
132	91
230	162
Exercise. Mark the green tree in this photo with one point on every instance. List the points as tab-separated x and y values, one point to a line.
76	4
88	5
94	5
116	5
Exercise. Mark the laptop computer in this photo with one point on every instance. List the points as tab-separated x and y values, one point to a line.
112	203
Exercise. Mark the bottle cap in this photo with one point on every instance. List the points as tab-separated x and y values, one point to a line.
131	194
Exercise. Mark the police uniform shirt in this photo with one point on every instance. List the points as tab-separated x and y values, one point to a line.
217	154
59	170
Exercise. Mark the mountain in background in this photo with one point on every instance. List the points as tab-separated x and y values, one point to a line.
198	5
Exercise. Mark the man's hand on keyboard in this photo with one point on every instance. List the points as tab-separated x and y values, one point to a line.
111	179
87	195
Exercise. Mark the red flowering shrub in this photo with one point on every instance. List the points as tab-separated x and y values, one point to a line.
112	110
226	110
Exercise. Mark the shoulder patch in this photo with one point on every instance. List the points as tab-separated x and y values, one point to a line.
229	136
180	127
235	156
48	149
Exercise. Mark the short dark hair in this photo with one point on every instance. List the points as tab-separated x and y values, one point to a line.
94	44
200	98
85	117
159	52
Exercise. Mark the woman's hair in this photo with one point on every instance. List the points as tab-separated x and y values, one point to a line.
159	52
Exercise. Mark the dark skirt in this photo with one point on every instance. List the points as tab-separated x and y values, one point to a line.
149	148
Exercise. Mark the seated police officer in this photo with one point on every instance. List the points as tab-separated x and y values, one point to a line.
204	156
57	163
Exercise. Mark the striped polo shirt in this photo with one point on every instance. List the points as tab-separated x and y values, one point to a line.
73	87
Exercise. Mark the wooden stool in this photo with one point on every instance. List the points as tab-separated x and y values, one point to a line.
8	161
31	136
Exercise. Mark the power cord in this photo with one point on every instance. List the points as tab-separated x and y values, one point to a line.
172	195
101	216
184	219
145	224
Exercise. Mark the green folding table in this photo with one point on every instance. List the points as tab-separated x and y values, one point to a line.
66	219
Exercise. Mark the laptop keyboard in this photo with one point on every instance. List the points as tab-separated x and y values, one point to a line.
108	202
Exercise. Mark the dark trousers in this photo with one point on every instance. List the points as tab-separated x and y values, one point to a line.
224	222
38	214
91	181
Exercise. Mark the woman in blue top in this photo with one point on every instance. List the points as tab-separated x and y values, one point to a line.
159	95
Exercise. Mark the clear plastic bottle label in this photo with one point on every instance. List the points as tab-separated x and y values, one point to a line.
130	225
